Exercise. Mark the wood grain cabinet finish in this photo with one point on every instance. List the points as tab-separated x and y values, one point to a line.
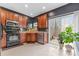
3	16
22	38
12	16
23	21
42	21
31	37
28	38
3	42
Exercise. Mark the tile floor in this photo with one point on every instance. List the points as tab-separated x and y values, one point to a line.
51	49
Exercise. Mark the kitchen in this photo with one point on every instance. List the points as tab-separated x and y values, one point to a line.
28	32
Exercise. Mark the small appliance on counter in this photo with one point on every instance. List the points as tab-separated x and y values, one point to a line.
12	31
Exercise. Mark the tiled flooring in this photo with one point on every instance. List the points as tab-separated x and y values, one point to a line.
36	49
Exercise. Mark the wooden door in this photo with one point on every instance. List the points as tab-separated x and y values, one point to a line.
39	22
3	16
28	37
42	21
3	42
22	38
15	17
23	21
33	37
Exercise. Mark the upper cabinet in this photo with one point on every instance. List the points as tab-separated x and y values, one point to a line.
9	15
12	16
3	16
23	21
42	21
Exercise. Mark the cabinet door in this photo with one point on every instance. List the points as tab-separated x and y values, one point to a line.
42	21
39	22
3	42
15	17
9	15
45	21
28	37
22	38
33	37
23	21
3	16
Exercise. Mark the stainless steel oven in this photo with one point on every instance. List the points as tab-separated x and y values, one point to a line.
12	31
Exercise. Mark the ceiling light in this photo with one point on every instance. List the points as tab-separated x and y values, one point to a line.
26	5
31	14
43	7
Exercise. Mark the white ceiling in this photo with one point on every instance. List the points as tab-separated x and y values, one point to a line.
33	9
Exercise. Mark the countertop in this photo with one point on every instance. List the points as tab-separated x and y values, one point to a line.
33	32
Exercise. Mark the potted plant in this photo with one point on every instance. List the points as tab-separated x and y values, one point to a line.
60	39
67	38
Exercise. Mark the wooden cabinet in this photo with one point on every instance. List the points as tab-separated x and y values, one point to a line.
23	21
15	17
31	37
3	14
3	42
42	21
28	38
12	16
22	38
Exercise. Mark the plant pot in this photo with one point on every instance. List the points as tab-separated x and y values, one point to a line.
68	48
61	45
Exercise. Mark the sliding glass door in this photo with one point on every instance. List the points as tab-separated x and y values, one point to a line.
54	27
58	24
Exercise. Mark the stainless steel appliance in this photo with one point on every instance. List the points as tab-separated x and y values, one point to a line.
12	31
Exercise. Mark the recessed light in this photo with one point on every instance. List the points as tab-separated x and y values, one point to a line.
43	7
31	14
26	5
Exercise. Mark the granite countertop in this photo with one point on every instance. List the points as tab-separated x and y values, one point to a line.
33	32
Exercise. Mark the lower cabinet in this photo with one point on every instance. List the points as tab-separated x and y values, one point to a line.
22	38
31	37
28	37
34	37
3	41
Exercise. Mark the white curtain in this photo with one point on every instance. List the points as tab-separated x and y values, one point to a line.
69	20
54	26
58	24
